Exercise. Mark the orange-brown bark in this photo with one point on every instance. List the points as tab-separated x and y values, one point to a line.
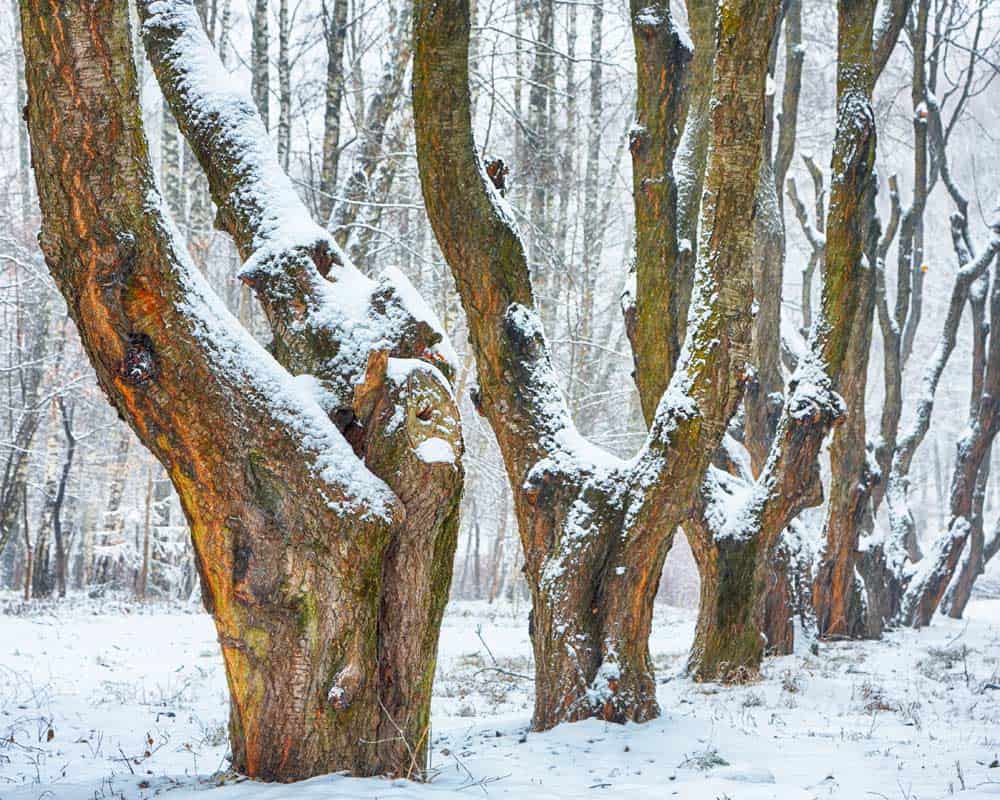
300	547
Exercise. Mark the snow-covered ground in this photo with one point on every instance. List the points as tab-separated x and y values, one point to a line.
118	701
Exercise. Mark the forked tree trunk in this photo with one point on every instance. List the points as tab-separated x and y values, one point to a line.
324	563
595	529
735	549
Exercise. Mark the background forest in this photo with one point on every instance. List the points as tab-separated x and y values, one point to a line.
84	506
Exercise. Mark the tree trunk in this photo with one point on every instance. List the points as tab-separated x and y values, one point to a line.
335	34
110	561
62	541
29	550
284	85
850	249
23	154
260	62
595	529
975	555
142	582
728	641
325	563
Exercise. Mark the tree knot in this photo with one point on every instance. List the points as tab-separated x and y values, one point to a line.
139	365
497	172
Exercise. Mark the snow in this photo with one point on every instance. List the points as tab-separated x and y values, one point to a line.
895	719
435	451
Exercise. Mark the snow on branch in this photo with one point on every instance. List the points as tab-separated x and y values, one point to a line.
740	509
326	315
289	401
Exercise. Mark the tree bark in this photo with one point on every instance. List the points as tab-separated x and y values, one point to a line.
335	35
656	324
62	541
260	62
974	555
594	529
325	563
284	85
973	564
849	251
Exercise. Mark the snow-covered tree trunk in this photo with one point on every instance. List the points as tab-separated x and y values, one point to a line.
975	557
595	529
837	594
324	551
925	586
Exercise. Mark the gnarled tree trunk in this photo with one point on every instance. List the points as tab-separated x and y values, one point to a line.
325	556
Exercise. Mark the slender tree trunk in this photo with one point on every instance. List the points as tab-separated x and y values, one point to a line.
61	539
29	550
43	577
23	154
284	85
171	178
260	62
836	594
142	582
111	561
915	229
540	145
765	392
593	233
335	35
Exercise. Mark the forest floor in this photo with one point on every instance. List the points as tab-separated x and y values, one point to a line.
108	699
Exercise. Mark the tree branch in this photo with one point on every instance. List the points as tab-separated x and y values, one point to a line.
290	261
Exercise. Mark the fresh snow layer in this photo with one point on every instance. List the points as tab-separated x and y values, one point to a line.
136	701
435	451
